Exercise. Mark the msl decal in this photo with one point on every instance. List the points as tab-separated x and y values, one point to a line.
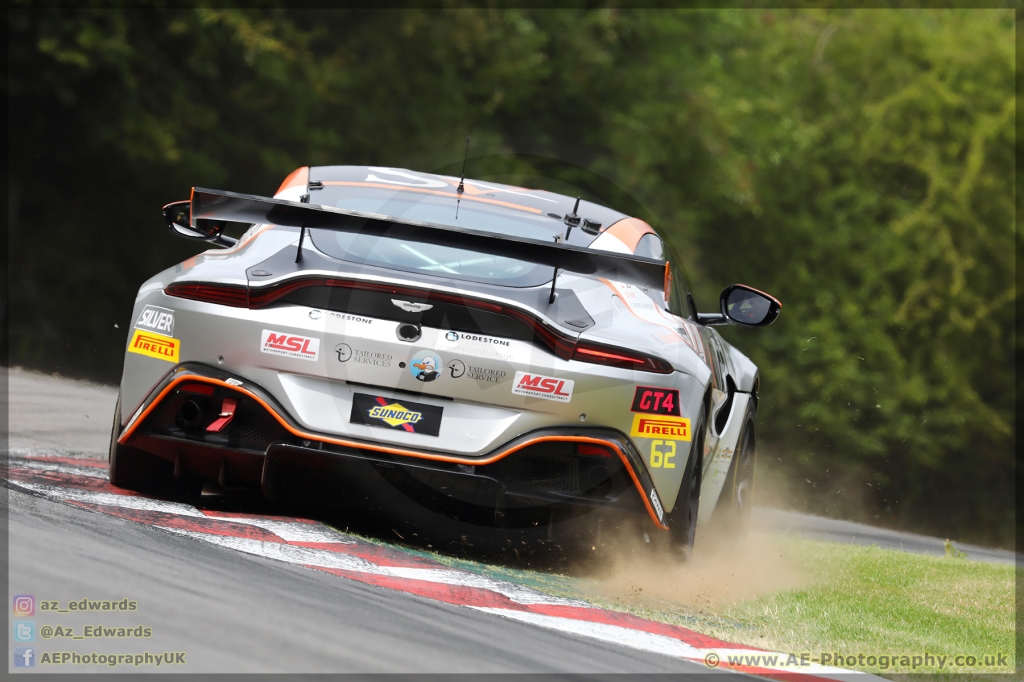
664	427
375	410
157	320
652	400
155	346
540	386
289	345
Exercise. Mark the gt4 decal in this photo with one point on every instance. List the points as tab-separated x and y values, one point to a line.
656	400
157	320
540	386
674	428
375	410
155	346
289	345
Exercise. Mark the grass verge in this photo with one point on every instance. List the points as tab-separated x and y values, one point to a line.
876	602
861	603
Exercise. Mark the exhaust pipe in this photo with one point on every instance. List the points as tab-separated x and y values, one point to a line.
190	416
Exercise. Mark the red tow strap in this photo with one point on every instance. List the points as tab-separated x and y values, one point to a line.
227	413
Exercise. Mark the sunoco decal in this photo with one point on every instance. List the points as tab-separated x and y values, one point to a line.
157	320
289	345
651	426
540	386
155	346
375	410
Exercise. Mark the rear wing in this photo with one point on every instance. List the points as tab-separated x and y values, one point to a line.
208	204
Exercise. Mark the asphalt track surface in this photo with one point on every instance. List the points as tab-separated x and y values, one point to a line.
240	611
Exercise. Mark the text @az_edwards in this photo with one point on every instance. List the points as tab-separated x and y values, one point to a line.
86	605
96	632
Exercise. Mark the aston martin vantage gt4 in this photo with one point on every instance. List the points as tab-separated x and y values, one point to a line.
516	354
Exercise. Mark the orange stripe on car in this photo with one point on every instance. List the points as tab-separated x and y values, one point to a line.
763	294
299	176
629	231
389	450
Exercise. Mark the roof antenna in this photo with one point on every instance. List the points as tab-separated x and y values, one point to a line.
573	219
462	181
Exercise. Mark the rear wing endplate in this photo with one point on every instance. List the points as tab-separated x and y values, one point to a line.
208	204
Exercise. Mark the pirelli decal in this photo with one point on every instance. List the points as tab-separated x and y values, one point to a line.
660	426
155	346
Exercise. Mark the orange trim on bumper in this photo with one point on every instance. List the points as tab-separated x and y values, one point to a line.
390	450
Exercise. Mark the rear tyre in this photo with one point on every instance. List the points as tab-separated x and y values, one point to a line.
732	512
682	520
142	472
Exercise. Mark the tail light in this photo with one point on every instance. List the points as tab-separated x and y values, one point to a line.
195	387
222	294
587	351
592	450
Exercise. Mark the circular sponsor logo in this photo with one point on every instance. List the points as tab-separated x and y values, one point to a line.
344	352
456	368
314	314
451	336
425	366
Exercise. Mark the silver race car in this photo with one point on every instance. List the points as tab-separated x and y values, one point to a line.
513	354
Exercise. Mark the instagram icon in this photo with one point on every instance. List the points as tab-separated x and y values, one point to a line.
24	605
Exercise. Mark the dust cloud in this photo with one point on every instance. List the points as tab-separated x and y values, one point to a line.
722	570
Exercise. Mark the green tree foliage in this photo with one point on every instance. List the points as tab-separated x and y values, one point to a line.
858	164
881	169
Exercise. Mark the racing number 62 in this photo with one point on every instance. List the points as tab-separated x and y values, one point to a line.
660	458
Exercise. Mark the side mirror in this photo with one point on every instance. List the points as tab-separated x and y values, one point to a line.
749	307
178	218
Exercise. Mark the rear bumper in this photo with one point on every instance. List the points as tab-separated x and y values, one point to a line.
271	444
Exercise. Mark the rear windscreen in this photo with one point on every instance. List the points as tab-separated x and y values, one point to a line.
431	259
